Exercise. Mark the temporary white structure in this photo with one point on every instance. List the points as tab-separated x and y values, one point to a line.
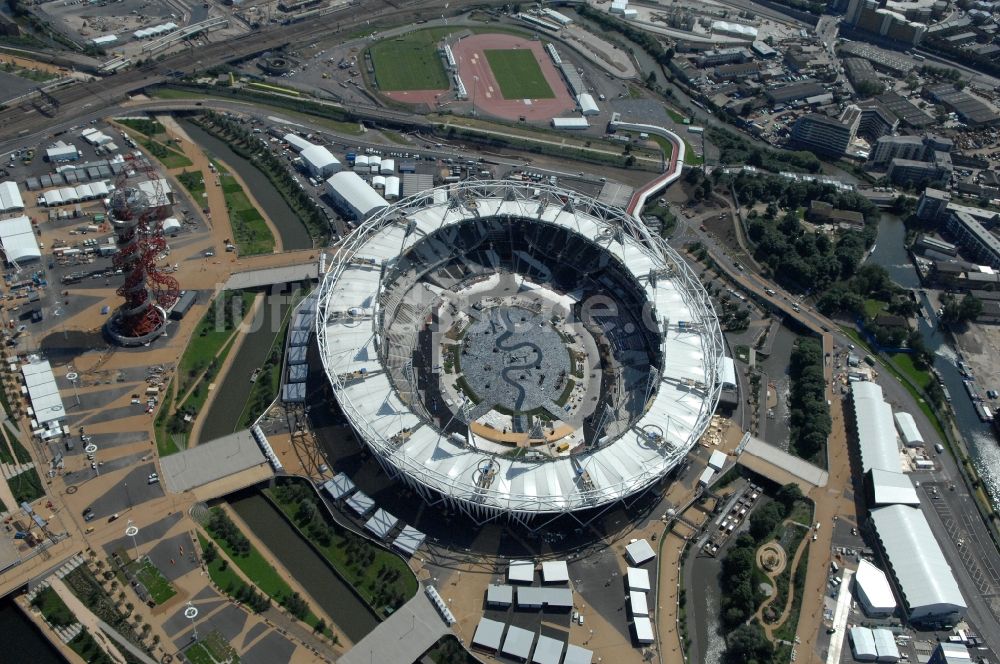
555	571
873	591
638	579
876	431
10	197
18	240
908	430
489	634
643	630
924	577
639	552
863	644
349	191
521	571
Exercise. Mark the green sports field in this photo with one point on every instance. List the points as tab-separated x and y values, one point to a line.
518	74
410	62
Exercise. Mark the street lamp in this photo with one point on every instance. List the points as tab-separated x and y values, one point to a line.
72	377
191	612
91	449
132	531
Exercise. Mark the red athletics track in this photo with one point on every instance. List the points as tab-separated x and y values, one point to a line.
486	92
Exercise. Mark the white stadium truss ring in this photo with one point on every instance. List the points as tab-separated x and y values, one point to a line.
445	467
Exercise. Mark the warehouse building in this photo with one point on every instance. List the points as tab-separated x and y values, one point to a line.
319	161
354	196
62	151
10	197
587	104
885	487
873	590
908	430
17	238
875	428
922	576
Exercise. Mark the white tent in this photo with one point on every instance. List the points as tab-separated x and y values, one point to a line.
10	197
637	602
578	655
517	643
489	634
908	430
863	644
18	240
547	650
717	460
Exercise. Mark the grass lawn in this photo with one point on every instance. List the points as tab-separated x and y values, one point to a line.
53	608
666	146
222	575
518	74
147	573
26	486
209	337
197	653
250	231
874	307
904	362
690	156
256	568
410	61
194	182
199	396
165	444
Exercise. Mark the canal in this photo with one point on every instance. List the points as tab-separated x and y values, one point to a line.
223	416
890	252
707	643
291	229
335	597
22	637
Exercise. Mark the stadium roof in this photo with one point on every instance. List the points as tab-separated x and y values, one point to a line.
892	488
908	430
18	240
340	486
409	540
873	589
863	644
489	634
499	594
547	650
10	197
521	571
654	444
876	430
639	552
555	571
577	655
518	642
924	576
638	579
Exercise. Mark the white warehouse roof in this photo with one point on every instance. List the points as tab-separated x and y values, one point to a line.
587	104
42	391
488	634
863	644
737	29
570	123
18	240
348	188
320	160
924	576
521	571
891	488
885	645
908	430
10	197
638	579
873	590
643	630
876	432
555	571
296	142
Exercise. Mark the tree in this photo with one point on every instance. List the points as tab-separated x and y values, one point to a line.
960	311
787	495
747	644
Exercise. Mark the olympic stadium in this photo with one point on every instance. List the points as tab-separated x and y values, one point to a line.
518	351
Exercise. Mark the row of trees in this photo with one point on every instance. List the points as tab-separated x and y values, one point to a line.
809	413
736	150
645	40
222	527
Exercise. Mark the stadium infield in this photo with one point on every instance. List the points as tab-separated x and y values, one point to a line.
518	74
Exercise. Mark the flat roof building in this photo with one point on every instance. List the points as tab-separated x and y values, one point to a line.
873	590
886	487
643	630
908	430
517	643
547	650
520	571
499	595
639	552
637	579
863	644
823	134
489	634
555	571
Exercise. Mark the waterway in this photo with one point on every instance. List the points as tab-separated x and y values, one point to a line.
335	597
708	645
291	229
223	416
890	253
22	637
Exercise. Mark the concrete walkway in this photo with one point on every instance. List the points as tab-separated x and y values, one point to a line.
407	633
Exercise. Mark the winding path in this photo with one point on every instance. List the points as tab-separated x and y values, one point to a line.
790	595
504	373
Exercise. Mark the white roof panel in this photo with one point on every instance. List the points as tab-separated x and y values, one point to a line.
555	571
409	540
639	552
578	655
885	645
489	634
340	486
637	602
638	579
521	571
381	523
717	460
876	429
893	488
10	197
499	594
643	629
547	650
360	503
18	240
863	644
517	642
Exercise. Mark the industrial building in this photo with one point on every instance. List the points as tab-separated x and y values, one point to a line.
873	590
354	196
922	576
570	123
884	487
950	653
981	244
908	430
62	151
587	104
17	237
875	428
10	197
